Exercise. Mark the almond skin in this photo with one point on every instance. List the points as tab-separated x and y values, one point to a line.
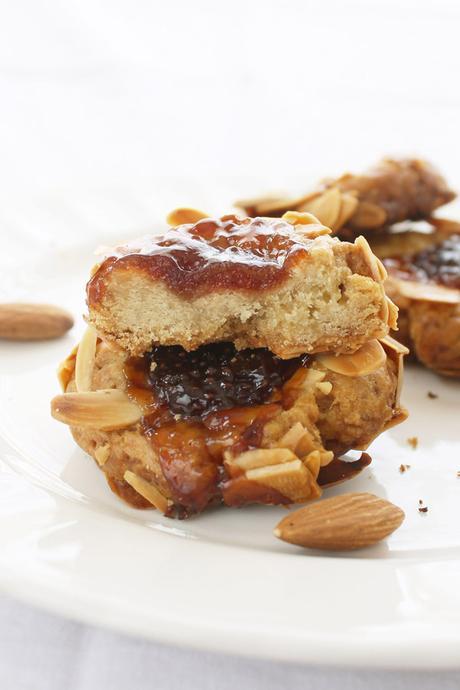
33	321
342	523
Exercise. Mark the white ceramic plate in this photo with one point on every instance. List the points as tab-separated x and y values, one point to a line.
221	581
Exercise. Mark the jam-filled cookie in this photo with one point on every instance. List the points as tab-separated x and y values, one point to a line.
392	191
232	361
424	281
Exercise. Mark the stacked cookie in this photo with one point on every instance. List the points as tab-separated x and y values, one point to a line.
232	361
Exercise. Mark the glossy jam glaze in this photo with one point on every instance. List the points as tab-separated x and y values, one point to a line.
438	263
229	253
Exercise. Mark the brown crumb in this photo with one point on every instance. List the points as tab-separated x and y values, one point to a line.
422	508
458	473
432	395
413	442
404	468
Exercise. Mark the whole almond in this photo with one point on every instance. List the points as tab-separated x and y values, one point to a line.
341	523
33	321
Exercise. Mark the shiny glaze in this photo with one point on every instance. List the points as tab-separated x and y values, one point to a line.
229	253
438	263
191	451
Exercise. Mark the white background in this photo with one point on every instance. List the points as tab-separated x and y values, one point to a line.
112	112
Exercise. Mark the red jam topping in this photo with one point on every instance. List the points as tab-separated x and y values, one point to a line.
439	263
228	253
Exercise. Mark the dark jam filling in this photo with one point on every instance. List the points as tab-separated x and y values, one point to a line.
216	377
227	253
198	405
439	263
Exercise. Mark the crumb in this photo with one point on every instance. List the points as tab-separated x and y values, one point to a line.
458	473
421	507
413	442
404	468
432	396
153	365
177	417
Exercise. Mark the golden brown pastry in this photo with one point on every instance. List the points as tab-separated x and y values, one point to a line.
392	191
181	414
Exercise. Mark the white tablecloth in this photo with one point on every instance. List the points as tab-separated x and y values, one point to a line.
39	651
98	95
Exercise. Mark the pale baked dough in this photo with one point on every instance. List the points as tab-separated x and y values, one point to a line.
332	301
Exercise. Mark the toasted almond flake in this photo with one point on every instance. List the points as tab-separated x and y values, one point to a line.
313	462
104	410
324	386
326	456
261	457
326	207
182	216
425	292
372	261
368	216
390	344
84	364
393	312
348	205
292	437
291	479
306	444
370	357
66	369
306	224
102	454
147	490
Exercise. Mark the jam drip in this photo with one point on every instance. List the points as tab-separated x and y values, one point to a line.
439	263
197	405
228	253
216	377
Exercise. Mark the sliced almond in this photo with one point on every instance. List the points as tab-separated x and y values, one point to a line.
292	437
370	357
348	205
377	269
291	479
342	523
306	224
147	490
325	207
261	457
102	454
368	216
66	369
425	292
393	311
84	364
390	344
183	216
33	321
324	387
313	462
104	410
